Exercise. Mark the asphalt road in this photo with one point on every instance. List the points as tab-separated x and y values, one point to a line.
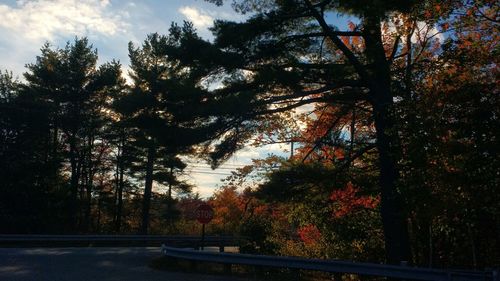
88	264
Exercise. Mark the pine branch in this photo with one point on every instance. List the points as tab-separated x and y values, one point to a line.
320	34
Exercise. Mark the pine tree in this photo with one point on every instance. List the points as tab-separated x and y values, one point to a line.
287	55
75	91
150	106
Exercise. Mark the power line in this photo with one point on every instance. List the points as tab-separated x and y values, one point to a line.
220	168
209	173
225	164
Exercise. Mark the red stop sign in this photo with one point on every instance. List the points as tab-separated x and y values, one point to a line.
204	213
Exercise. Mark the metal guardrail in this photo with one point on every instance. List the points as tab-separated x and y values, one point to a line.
193	241
332	266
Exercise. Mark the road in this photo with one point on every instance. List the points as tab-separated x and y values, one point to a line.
87	264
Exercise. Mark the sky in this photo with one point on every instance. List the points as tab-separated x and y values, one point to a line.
25	25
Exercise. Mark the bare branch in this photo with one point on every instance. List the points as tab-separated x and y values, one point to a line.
342	47
347	162
333	125
394	49
322	90
320	34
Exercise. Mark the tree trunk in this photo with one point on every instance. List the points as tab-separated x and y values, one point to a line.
169	202
99	206
73	187
88	181
392	206
121	171
392	210
147	190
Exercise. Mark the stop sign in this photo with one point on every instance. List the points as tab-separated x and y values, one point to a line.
204	213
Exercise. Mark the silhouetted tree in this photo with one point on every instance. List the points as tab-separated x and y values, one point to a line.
287	55
149	107
69	83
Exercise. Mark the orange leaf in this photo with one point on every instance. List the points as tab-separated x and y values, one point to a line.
351	25
339	153
345	39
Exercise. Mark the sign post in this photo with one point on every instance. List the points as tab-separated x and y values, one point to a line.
204	214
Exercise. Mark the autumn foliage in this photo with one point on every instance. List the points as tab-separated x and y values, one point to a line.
309	234
348	201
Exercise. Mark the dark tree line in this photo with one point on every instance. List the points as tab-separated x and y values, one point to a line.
76	142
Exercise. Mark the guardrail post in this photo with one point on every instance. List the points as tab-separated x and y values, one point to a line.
227	268
258	272
221	246
193	265
295	274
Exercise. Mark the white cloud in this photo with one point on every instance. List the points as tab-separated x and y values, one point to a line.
422	30
199	18
41	20
104	3
207	180
245	154
205	183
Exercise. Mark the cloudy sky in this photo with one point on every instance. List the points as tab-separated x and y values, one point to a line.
25	25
